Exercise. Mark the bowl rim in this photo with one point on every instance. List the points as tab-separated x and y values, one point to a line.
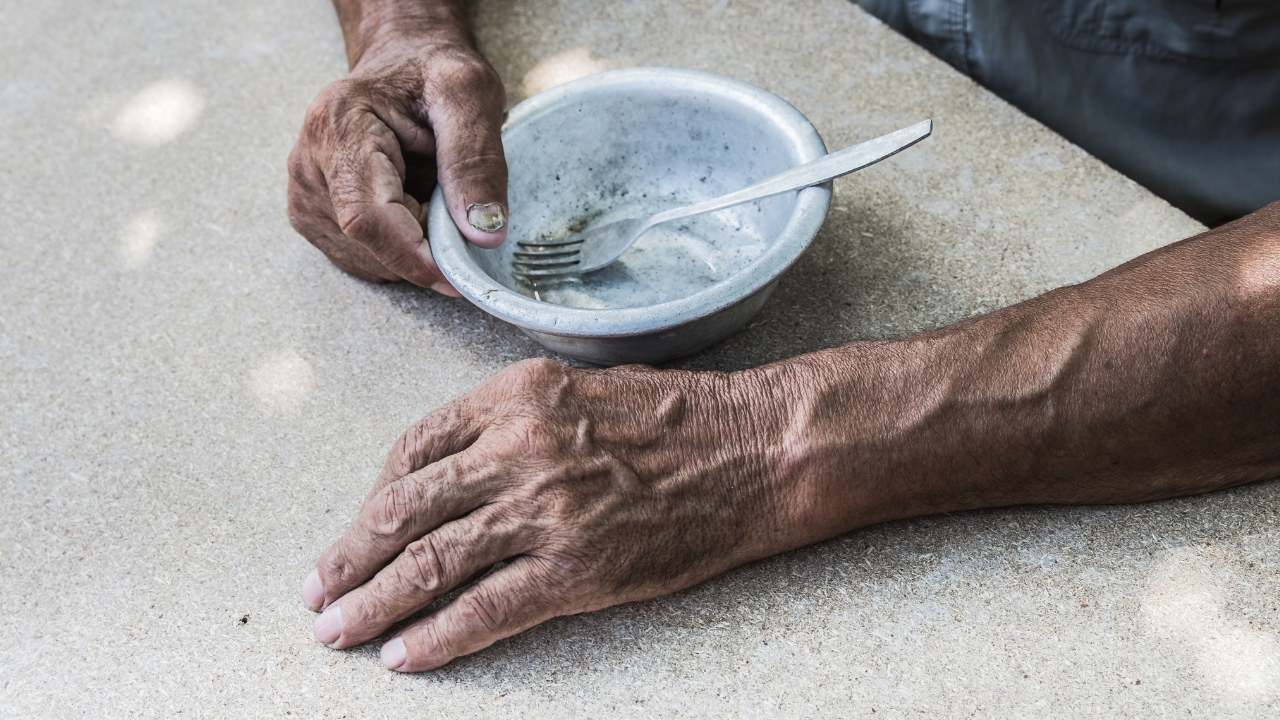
449	247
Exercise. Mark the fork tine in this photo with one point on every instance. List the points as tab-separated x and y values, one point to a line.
549	243
519	256
547	263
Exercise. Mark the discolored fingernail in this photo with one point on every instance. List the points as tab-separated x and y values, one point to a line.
328	626
489	218
392	653
313	591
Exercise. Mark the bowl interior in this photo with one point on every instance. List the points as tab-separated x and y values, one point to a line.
625	152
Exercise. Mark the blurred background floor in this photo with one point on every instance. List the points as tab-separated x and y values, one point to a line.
195	401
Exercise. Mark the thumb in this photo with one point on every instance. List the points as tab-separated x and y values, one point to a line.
472	167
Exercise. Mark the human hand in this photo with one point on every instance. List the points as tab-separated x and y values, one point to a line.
595	487
373	145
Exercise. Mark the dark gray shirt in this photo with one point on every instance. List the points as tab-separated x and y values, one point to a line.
1181	95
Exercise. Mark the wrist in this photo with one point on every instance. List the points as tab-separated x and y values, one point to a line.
868	432
376	31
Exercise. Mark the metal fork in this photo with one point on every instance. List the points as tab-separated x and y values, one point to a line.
597	247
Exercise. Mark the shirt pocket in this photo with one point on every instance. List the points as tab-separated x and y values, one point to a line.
1221	31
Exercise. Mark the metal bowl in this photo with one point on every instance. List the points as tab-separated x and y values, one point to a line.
585	149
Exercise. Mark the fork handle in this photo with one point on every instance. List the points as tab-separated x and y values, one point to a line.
827	167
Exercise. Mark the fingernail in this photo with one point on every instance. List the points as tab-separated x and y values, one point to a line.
328	626
313	591
489	218
393	653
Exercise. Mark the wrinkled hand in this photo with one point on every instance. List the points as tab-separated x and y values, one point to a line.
373	146
594	487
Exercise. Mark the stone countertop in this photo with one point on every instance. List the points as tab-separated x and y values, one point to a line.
195	401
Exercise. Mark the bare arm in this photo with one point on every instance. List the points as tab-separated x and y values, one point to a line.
419	106
372	24
1159	378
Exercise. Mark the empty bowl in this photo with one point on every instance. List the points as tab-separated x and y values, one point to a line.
625	144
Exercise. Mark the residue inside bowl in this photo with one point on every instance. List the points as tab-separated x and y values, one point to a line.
668	262
620	154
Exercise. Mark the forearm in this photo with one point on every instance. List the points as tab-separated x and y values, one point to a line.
1157	379
370	24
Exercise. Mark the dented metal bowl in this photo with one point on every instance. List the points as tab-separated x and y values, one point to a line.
574	150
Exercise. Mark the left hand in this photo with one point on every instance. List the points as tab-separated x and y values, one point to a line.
595	487
369	150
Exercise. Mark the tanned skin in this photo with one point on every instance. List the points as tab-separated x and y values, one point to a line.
419	105
1157	379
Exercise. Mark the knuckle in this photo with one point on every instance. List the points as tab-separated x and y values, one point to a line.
449	418
537	370
411	451
298	164
436	644
394	510
428	575
329	104
534	385
479	608
336	573
306	201
482	166
307	221
401	462
301	223
466	73
422	431
355	220
318	118
546	501
571	564
340	125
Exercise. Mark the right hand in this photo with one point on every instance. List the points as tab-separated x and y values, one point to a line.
597	487
371	151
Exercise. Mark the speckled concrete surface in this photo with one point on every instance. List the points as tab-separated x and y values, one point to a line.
195	401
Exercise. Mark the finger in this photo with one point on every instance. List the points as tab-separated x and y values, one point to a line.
451	429
311	215
445	288
446	432
348	256
399	513
509	601
472	166
419	212
427	569
364	175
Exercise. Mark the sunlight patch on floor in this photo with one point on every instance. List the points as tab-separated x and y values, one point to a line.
159	113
